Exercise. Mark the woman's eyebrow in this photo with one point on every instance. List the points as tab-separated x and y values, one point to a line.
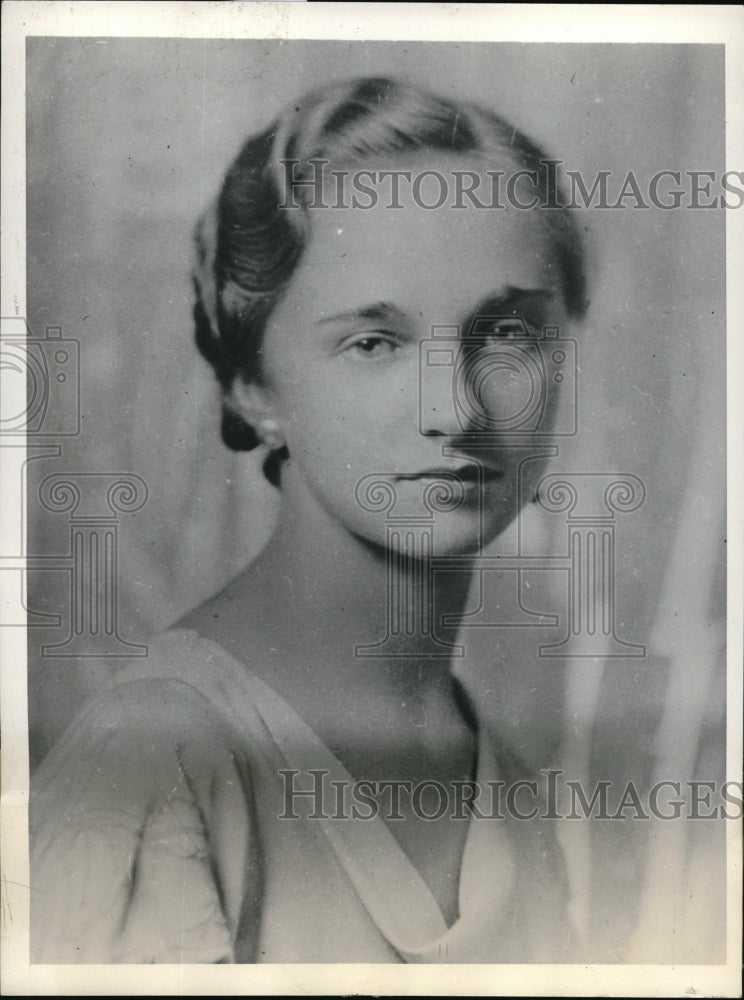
498	301
510	296
376	311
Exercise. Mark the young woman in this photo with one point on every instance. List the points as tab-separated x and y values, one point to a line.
268	786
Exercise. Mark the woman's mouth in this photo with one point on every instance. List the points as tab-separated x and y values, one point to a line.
471	474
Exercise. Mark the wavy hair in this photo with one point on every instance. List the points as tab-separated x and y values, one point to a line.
248	246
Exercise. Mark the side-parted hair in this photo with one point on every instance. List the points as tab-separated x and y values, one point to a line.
248	246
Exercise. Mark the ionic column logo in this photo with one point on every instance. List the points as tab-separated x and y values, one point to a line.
94	502
410	572
590	501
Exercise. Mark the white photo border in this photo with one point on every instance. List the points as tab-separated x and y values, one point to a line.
720	25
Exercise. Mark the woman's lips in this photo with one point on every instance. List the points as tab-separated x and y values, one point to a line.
469	474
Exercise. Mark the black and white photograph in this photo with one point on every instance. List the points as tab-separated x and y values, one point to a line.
371	452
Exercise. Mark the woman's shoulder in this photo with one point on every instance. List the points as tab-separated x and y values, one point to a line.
180	656
139	793
184	710
180	673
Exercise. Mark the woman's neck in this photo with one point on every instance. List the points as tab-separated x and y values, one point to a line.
340	589
298	616
318	601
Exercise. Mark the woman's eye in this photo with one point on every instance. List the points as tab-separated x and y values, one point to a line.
509	329
372	346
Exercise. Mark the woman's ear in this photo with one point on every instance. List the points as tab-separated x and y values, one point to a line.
252	403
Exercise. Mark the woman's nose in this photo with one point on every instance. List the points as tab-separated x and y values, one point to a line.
439	414
479	389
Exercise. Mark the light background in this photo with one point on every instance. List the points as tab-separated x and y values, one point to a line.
128	139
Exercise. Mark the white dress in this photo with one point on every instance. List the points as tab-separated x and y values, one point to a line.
157	836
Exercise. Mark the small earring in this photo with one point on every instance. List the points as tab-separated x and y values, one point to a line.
270	433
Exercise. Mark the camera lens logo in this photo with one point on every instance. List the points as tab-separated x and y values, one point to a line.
41	394
502	378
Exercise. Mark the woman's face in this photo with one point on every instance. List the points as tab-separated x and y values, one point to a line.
357	388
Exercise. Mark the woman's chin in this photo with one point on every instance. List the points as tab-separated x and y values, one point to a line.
448	537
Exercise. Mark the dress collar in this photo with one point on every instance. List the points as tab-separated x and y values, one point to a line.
387	883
